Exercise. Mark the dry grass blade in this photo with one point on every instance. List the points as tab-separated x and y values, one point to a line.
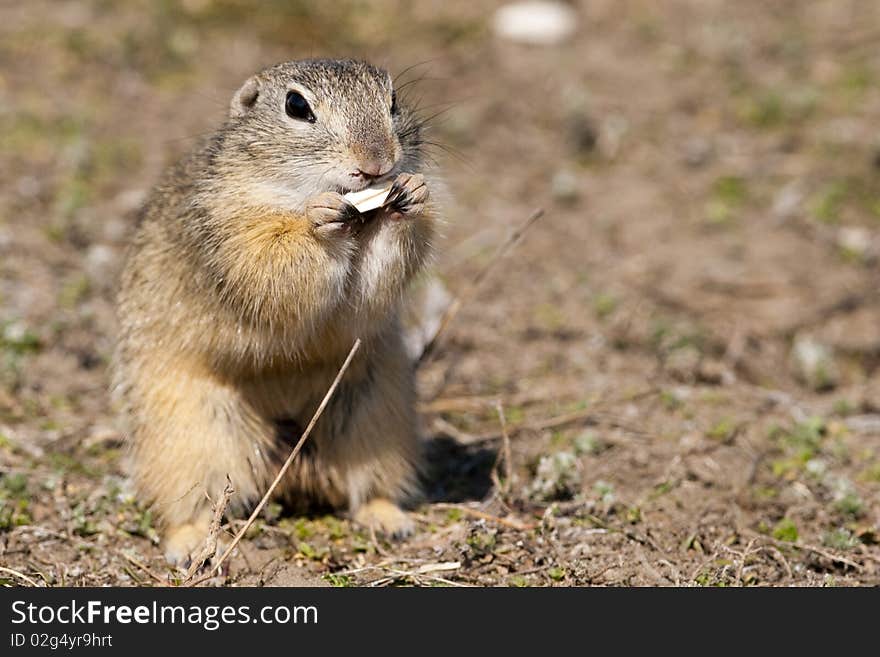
470	289
417	577
139	564
478	402
442	426
293	454
589	416
828	554
482	515
21	576
438	567
504	486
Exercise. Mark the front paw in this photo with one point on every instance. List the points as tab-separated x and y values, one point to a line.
331	214
408	195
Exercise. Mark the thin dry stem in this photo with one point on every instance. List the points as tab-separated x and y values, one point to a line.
507	522
142	566
505	450
477	280
21	576
831	556
210	547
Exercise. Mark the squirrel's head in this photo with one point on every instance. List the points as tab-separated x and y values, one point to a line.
306	127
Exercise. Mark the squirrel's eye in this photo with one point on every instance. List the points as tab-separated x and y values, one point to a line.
297	107
393	102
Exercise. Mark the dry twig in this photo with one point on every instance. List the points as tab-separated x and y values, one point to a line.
505	450
21	576
507	522
808	548
477	280
587	416
210	547
142	566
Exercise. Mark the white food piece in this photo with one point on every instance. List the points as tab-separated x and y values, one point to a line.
537	23
369	198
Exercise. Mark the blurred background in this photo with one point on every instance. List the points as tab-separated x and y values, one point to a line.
685	346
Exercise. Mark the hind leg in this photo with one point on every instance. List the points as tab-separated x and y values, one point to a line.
190	434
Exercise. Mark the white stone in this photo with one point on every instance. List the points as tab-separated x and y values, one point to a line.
538	23
855	240
814	363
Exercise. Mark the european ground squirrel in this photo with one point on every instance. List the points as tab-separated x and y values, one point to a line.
248	280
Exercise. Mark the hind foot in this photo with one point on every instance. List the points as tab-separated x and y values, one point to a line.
184	542
385	516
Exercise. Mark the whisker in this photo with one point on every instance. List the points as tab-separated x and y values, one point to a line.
451	152
413	66
422	78
423	121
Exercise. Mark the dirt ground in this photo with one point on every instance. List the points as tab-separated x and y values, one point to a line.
685	347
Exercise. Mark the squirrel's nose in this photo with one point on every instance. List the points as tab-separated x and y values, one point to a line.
374	168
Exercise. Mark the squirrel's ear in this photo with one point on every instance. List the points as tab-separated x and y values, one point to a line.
245	97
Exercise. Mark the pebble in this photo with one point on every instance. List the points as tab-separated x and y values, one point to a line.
535	23
854	239
814	363
697	152
101	263
564	186
788	201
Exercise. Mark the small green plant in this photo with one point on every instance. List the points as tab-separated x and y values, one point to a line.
83	524
670	400
453	515
871	473
728	194
589	443
785	530
15	485
17	339
482	542
74	291
829	201
843	407
518	581
605	491
850	504
802	443
272	512
840	539
300	528
338	580
604	305
765	110
13	513
722	430
310	552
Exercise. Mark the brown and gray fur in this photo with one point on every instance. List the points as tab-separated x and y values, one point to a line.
247	282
